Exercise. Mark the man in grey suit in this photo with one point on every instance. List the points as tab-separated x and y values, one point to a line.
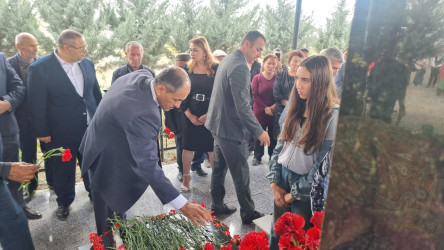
119	147
231	121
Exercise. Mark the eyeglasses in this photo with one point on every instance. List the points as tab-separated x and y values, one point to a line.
81	48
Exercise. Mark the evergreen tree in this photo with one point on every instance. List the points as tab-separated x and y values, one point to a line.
337	30
17	16
185	17
79	15
224	23
423	29
279	27
145	21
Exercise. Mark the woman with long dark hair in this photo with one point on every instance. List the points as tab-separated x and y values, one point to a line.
307	136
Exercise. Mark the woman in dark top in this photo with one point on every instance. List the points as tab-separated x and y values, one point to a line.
201	70
264	104
283	85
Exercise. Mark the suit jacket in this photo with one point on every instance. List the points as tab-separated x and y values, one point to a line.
119	147
56	109
230	115
22	111
13	91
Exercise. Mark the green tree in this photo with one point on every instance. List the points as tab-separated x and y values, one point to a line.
79	15
279	26
337	30
145	21
18	16
423	29
185	17
224	23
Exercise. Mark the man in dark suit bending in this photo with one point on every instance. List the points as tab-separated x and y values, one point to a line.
63	95
231	121
119	147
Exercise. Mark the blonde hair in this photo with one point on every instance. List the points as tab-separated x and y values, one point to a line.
209	61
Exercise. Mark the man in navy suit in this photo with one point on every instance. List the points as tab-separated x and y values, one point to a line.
119	147
63	95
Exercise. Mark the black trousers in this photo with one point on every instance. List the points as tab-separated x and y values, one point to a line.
28	146
434	72
232	155
259	150
64	173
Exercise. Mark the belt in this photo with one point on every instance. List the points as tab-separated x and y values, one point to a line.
200	97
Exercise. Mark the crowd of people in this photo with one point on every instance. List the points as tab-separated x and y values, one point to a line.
223	106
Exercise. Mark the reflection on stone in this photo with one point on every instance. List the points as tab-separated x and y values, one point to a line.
384	191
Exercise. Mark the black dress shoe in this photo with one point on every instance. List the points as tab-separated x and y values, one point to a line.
253	216
256	162
31	214
62	212
223	210
200	172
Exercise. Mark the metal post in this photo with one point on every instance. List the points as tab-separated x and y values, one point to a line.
296	23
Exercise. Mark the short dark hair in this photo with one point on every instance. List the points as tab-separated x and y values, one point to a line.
172	78
67	36
252	36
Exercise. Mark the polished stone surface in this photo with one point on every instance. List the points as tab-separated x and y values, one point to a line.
51	233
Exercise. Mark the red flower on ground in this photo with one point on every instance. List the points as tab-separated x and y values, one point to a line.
313	238
209	246
174	157
227	233
161	216
167	130
181	249
227	247
236	239
66	155
289	223
254	240
317	219
92	237
288	242
172	211
122	247
117	225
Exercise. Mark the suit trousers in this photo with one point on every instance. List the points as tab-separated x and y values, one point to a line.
232	155
14	229
102	212
11	154
28	146
64	173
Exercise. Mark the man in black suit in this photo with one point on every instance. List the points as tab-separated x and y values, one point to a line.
28	48
63	95
231	121
119	147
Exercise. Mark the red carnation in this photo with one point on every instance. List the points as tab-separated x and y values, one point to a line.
254	240
121	247
167	130
203	205
171	136
313	238
317	219
92	237
66	155
117	225
227	247
209	246
289	223
287	242
172	211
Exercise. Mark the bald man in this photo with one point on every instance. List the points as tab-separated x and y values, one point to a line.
27	47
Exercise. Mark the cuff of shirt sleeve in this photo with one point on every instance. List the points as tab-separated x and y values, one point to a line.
178	202
5	168
10	109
